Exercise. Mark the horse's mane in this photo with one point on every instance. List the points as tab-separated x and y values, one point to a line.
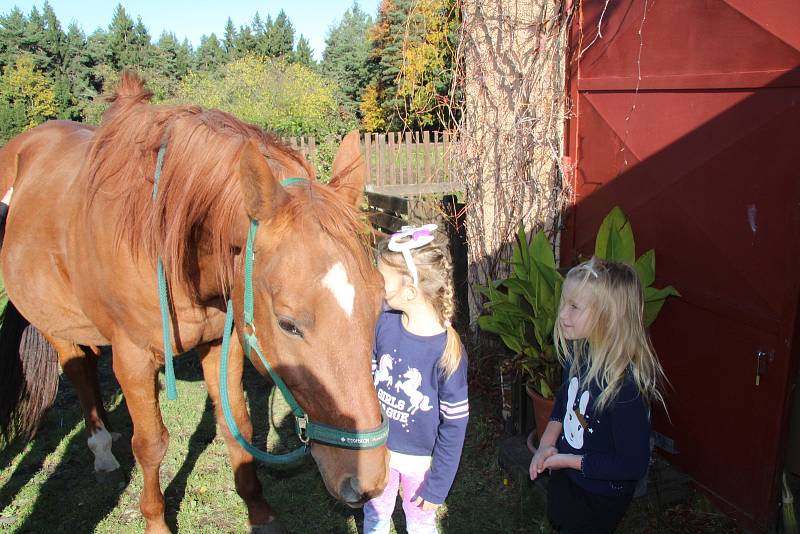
198	197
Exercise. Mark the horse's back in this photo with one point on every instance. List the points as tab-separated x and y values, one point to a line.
41	143
44	167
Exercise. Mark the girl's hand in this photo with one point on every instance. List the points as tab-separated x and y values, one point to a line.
425	505
563	461
538	460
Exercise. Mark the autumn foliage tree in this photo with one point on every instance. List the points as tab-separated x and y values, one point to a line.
288	98
411	64
26	98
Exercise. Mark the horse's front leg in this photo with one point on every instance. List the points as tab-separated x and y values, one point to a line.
262	517
81	370
137	373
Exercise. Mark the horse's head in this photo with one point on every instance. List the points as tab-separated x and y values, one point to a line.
316	302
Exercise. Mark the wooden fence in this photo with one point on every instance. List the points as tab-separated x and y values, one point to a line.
400	163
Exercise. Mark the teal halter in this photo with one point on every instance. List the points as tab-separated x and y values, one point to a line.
307	431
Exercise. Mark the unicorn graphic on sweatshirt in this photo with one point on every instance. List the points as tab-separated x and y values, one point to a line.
383	374
410	387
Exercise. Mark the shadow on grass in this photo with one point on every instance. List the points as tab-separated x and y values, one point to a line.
42	444
71	483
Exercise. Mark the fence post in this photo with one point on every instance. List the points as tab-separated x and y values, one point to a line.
381	152
368	158
426	160
409	156
446	157
312	149
391	152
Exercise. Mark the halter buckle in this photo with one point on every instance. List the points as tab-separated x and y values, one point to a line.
250	329
302	427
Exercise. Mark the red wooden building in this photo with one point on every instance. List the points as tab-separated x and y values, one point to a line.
686	113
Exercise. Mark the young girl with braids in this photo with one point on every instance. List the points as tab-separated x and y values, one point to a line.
420	372
597	443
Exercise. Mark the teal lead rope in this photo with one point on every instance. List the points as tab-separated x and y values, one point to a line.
169	370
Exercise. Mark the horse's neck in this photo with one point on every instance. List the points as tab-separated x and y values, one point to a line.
209	276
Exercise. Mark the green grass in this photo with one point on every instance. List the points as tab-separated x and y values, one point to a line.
48	485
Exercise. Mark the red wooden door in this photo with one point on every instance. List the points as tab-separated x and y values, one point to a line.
687	115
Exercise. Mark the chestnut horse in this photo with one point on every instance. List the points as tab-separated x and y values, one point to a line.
82	242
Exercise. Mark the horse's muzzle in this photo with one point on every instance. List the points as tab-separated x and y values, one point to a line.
352	494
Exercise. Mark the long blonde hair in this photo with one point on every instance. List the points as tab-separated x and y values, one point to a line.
435	274
618	341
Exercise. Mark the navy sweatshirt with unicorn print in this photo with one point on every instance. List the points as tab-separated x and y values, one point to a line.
614	443
427	413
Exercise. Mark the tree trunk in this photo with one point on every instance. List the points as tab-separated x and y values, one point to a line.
510	138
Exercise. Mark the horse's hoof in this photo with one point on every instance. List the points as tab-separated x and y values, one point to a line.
273	527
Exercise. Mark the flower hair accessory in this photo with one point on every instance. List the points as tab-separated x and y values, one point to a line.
408	238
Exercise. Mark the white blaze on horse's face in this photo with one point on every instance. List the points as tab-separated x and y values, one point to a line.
337	281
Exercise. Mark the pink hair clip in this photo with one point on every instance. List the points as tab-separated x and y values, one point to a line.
408	238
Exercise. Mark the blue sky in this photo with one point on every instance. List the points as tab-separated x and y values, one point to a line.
193	18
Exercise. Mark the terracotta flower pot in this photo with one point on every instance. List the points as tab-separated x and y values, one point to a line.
542	408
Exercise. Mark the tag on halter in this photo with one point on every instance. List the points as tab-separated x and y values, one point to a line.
408	238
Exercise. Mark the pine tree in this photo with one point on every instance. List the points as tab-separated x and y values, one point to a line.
303	53
98	48
53	40
184	56
257	27
142	45
245	42
386	57
346	56
121	40
33	40
280	36
167	56
229	40
210	54
12	35
262	38
78	71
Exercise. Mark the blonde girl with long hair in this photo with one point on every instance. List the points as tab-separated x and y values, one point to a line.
420	373
597	443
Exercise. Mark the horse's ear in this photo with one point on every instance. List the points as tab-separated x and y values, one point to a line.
349	171
261	192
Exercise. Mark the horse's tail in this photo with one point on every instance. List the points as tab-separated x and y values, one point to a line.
28	376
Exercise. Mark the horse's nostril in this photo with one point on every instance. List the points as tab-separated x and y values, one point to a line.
351	492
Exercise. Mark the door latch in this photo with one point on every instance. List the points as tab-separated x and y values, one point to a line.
761	356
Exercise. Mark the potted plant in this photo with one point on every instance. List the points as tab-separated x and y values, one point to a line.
522	308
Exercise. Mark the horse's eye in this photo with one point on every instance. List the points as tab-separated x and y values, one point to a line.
290	328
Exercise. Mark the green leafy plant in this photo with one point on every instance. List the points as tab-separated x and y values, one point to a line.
615	243
522	308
